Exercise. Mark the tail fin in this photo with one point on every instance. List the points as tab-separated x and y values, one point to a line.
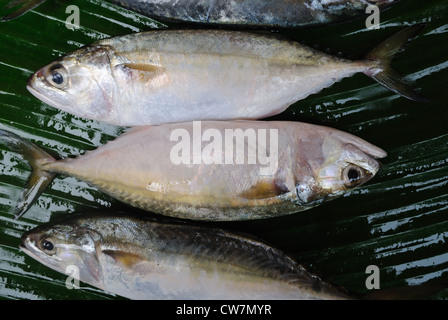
27	5
382	55
39	180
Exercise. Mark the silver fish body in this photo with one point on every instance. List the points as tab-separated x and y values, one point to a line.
158	77
266	13
144	259
212	170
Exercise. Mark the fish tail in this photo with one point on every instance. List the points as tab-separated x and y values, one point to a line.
381	70
26	5
39	179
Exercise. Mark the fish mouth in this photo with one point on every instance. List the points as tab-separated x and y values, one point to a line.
25	245
40	96
24	248
45	99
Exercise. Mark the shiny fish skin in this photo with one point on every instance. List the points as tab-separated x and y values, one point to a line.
138	168
266	13
144	259
172	76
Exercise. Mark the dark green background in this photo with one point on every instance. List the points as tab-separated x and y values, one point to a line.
398	221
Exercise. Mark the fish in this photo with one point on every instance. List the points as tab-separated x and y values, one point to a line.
141	258
172	76
270	13
213	170
253	13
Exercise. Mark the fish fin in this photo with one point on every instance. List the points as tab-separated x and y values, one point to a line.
93	266
123	258
39	179
144	67
382	71
145	72
265	189
27	5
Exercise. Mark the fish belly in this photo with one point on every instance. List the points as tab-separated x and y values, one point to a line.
236	76
153	168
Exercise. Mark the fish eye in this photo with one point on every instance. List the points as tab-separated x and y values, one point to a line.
47	246
353	176
58	76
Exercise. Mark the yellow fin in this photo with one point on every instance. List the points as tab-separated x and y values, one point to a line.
265	189
151	74
126	259
145	67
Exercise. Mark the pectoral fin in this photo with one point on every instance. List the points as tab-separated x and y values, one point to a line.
126	259
147	68
265	189
151	74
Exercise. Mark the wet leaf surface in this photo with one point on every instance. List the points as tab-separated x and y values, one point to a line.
398	221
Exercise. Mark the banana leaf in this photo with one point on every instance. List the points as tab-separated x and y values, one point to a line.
397	222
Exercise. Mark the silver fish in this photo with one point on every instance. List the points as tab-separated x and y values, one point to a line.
144	259
229	170
266	13
159	77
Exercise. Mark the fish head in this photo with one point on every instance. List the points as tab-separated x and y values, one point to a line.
80	83
63	247
341	163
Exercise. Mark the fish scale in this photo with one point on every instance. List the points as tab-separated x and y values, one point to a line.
172	76
308	165
246	13
270	13
141	258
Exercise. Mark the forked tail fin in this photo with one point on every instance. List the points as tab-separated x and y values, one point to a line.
382	71
39	179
